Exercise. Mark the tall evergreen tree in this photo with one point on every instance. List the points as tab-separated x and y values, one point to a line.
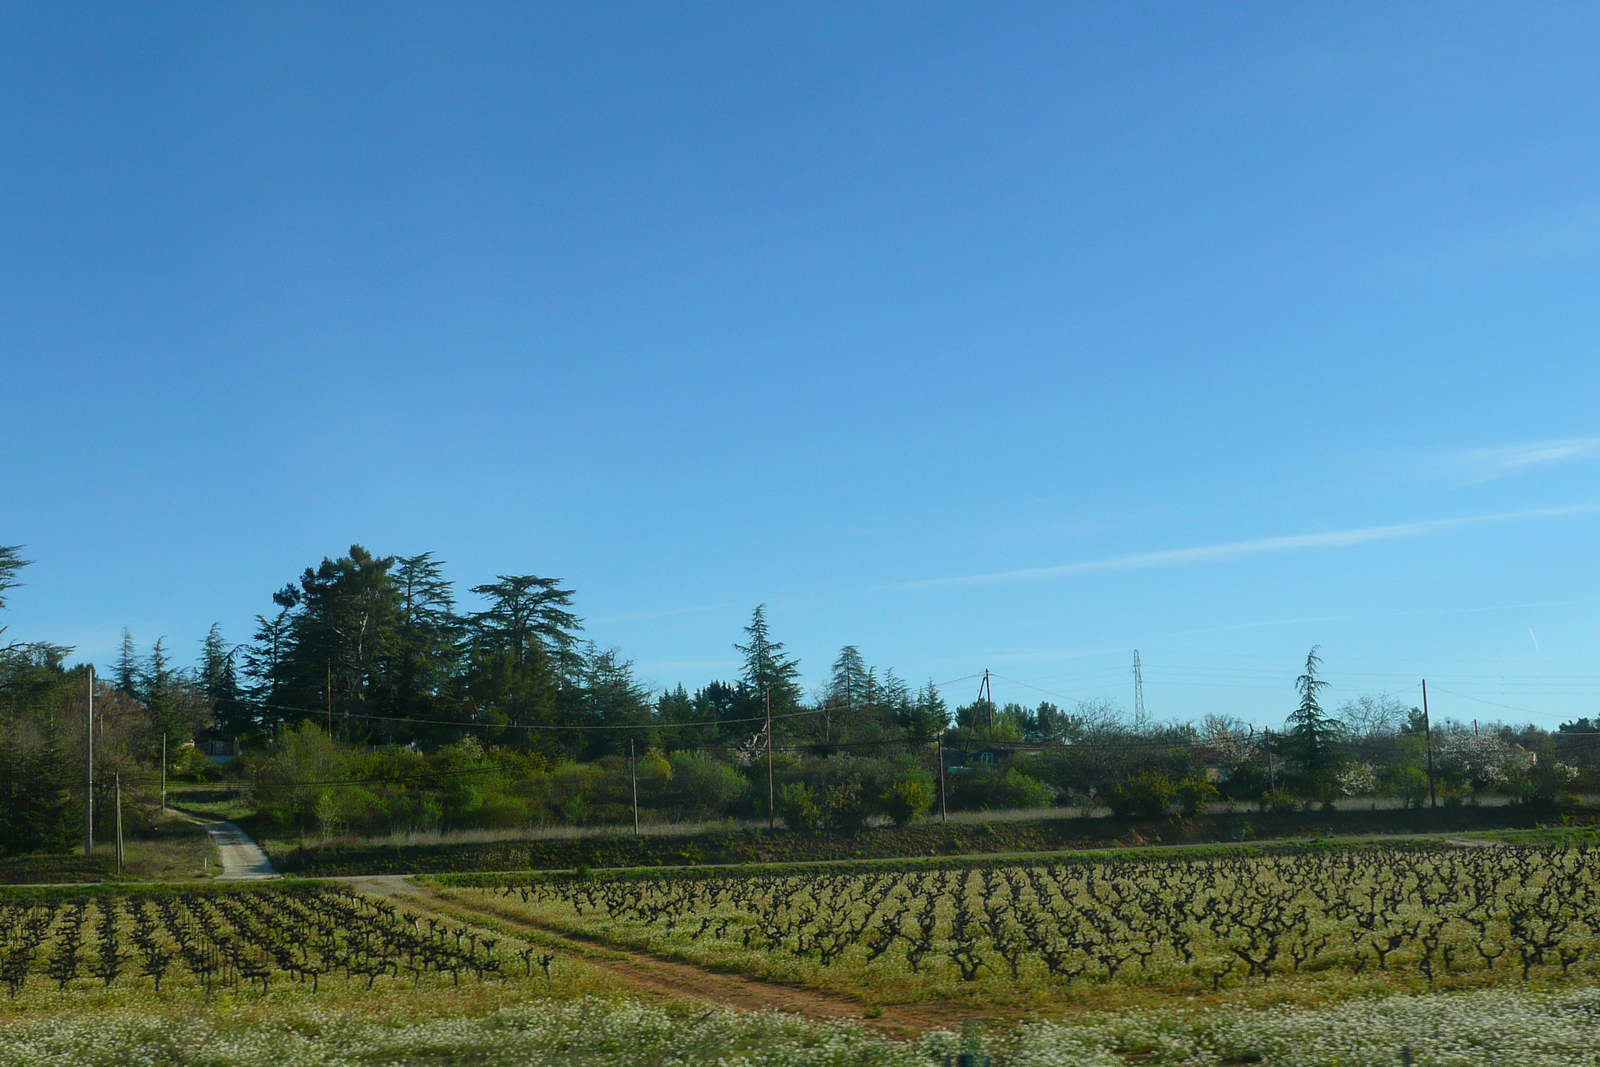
428	638
612	696
264	659
526	612
160	691
846	685
766	668
522	658
343	623
1312	732
849	686
219	684
11	562
36	803
927	715
126	672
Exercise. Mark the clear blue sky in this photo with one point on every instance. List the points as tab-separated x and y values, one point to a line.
977	336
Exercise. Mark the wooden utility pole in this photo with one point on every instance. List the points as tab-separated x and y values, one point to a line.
1427	734
772	800
988	692
163	772
120	863
939	751
329	688
1272	768
633	772
88	769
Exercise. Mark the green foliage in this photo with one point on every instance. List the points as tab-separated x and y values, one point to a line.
797	804
766	668
702	787
37	810
993	787
11	563
1282	800
906	800
1146	794
1194	793
1313	733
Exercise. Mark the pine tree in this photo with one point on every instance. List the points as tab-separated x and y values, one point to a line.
428	638
219	684
523	666
1312	732
527	612
127	668
11	562
263	666
927	714
848	688
160	691
343	618
766	668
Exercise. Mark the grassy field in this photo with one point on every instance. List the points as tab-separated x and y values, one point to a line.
174	849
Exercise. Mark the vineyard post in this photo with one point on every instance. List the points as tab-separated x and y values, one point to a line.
772	806
1427	735
120	864
88	770
633	773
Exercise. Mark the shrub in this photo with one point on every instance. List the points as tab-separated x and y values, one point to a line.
1280	800
906	800
798	806
846	805
1194	793
990	788
1145	794
701	786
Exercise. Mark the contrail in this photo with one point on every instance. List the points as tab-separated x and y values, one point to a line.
1205	553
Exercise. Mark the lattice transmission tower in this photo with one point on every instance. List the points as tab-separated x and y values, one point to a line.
1138	694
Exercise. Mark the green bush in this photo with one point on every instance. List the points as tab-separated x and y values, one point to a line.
1281	799
906	800
1145	794
846	805
989	788
798	806
1194	793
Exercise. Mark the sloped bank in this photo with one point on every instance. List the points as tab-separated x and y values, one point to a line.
923	839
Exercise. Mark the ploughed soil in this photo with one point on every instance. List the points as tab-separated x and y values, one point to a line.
921	839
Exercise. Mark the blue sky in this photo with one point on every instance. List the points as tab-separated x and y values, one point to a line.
983	336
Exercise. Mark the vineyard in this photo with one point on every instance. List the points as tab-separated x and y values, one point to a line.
1426	916
224	939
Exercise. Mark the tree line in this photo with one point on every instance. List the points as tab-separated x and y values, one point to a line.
371	699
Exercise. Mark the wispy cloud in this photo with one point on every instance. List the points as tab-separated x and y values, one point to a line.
1470	466
1207	553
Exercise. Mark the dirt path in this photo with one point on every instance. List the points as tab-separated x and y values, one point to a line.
242	858
650	973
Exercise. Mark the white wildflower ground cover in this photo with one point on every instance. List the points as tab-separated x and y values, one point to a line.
581	1033
1502	1028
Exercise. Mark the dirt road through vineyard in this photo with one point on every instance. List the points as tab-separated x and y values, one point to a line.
649	973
